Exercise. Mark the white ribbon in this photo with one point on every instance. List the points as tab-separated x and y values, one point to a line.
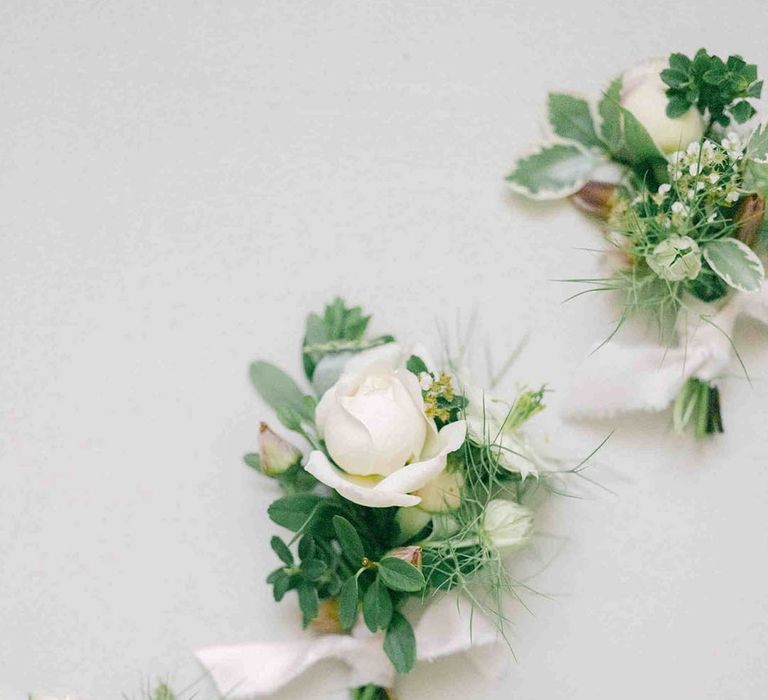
617	378
447	627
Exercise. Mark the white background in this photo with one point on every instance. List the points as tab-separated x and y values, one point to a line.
182	182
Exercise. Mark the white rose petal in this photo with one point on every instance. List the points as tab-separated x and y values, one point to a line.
395	489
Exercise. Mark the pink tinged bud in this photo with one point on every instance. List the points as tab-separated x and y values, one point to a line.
412	555
277	455
749	219
596	198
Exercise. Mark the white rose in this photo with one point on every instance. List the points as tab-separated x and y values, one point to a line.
507	524
441	494
382	443
644	94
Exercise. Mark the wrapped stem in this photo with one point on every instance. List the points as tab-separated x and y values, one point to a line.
373	692
698	405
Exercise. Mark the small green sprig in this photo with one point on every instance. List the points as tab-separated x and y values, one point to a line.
712	85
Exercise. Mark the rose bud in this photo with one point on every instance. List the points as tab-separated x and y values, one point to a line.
412	555
276	454
596	198
645	95
749	219
327	620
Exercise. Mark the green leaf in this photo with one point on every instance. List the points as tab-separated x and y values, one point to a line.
281	586
377	606
416	365
736	263
756	89
308	602
552	172
609	109
313	569
640	147
742	111
350	541
292	512
348	603
282	551
680	62
399	575
677	107
253	461
674	78
279	390
307	547
570	118
757	148
400	644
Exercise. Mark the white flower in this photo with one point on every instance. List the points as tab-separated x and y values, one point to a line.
676	258
507	524
644	94
375	430
486	417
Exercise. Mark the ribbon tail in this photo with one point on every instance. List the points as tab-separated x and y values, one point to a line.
251	670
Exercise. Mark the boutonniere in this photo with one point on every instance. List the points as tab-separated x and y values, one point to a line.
404	489
672	162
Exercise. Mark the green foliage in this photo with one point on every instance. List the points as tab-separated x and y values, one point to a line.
610	112
697	406
377	606
708	286
712	85
399	575
416	365
400	644
282	394
571	118
163	692
757	147
308	601
294	512
282	551
552	171
735	263
351	544
338	323
348	599
253	461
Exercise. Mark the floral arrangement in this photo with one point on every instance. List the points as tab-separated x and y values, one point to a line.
399	517
673	161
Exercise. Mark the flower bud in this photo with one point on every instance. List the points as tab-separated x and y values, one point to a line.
412	555
749	219
442	493
411	522
596	198
507	524
327	620
276	454
676	259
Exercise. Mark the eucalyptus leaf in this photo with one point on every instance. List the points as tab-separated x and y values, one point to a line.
377	606
553	171
571	118
399	575
280	391
400	644
735	263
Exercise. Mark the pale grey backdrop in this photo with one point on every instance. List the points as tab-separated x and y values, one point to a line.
181	182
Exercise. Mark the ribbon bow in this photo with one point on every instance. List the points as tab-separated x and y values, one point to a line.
619	378
249	670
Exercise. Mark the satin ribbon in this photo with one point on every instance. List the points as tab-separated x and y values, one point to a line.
448	626
617	378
